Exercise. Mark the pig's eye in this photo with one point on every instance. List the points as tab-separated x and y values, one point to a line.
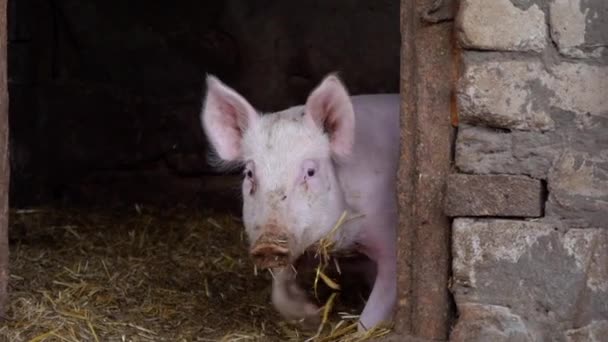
249	176
309	169
248	173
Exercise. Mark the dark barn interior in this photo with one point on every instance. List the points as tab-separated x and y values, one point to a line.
108	158
105	95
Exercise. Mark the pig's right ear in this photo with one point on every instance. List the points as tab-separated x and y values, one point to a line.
225	117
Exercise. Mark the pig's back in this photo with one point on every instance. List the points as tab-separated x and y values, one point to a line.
368	178
377	124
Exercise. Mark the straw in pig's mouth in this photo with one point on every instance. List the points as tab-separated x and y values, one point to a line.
325	250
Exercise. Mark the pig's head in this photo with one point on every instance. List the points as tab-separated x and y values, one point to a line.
291	194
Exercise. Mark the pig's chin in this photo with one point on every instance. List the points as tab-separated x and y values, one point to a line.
274	262
271	263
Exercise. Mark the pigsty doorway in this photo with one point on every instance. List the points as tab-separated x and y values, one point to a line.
119	230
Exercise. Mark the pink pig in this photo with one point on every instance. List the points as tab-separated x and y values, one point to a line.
303	167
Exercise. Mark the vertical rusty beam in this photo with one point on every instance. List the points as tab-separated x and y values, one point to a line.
433	160
407	168
427	71
4	161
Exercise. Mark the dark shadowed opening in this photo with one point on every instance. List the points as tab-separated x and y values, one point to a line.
105	95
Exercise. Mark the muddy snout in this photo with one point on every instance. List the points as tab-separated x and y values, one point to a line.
271	250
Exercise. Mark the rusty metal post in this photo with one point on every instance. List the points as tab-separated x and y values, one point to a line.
406	172
4	161
427	79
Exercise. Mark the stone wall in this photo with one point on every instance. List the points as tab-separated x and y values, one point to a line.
530	196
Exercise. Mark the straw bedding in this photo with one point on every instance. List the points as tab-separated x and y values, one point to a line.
145	274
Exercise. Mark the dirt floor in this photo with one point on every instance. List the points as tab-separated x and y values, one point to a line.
142	274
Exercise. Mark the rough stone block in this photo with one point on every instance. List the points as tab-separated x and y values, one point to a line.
550	276
493	195
484	150
578	88
521	94
596	331
480	323
580	28
578	187
499	25
504	95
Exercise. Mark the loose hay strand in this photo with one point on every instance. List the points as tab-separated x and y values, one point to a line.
44	336
327	280
316	281
328	306
325	318
92	330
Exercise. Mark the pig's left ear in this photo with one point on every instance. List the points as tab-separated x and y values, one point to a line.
329	107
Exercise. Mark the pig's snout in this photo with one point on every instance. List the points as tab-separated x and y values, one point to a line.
270	251
270	256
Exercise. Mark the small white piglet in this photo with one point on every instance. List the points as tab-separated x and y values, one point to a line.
303	167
